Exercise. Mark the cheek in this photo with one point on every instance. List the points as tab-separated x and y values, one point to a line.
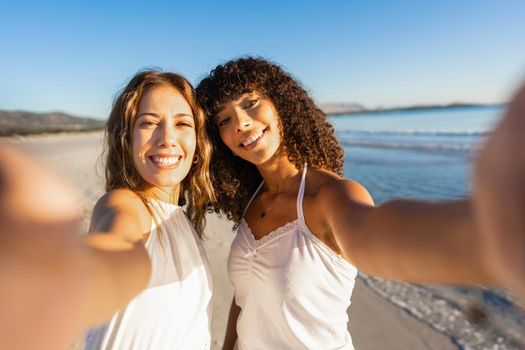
277	142
278	128
279	137
135	146
190	142
271	115
138	142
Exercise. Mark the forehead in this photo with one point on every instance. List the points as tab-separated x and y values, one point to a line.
164	98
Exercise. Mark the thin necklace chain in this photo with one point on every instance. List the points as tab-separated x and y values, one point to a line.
263	212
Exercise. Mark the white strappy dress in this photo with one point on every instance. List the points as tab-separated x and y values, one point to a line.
174	311
292	289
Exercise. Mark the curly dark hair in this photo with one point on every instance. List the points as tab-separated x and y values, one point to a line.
308	137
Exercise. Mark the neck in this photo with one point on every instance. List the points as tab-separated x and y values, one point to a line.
164	194
278	174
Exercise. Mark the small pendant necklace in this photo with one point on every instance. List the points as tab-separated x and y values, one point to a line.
263	212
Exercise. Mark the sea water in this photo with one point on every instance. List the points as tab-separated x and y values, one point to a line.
428	155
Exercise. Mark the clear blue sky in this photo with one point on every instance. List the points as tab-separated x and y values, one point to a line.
73	56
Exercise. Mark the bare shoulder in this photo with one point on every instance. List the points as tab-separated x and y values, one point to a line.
333	203
121	200
331	188
117	208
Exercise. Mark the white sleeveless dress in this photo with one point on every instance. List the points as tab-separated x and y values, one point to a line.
174	311
293	290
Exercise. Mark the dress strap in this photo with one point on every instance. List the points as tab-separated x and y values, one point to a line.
251	199
300	195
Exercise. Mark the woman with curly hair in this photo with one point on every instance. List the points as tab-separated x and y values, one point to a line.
303	230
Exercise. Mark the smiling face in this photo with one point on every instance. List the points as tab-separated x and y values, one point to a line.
164	140
250	127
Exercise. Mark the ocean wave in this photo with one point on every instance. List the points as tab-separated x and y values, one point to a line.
463	148
447	310
408	132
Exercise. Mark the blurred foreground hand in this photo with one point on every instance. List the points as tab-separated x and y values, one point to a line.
500	197
39	293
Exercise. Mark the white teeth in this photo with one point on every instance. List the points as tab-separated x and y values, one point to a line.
165	160
252	139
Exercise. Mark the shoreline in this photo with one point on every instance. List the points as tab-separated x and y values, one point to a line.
46	134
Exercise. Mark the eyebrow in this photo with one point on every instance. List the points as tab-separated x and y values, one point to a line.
178	115
240	99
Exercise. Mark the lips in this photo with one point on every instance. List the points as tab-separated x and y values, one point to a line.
165	161
253	138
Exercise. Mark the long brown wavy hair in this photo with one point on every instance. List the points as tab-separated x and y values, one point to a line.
308	137
196	189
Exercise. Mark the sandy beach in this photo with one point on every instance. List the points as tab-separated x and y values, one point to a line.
375	323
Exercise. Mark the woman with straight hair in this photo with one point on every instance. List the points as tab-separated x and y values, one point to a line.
157	157
142	265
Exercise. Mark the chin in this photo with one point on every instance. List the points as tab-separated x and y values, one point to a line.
271	157
167	181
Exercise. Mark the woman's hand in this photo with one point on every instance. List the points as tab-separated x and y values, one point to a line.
499	199
53	282
39	294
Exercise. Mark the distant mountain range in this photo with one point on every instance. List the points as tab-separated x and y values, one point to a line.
342	108
354	108
25	123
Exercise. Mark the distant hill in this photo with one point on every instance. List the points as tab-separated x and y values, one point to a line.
335	109
342	108
25	123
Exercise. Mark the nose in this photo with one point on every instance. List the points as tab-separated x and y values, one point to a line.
243	121
167	137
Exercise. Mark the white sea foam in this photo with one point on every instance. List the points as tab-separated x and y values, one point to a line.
417	132
446	309
428	147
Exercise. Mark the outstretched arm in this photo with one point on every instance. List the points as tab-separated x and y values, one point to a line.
40	285
53	283
478	240
117	262
409	240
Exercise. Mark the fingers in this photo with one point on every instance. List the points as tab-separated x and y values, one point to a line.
39	215
39	296
500	197
29	194
515	114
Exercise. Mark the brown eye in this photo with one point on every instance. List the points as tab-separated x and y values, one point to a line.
223	122
185	124
251	103
148	123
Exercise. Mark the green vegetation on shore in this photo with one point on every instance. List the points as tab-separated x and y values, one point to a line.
29	123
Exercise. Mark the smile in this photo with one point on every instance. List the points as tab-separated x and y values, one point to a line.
165	162
252	139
